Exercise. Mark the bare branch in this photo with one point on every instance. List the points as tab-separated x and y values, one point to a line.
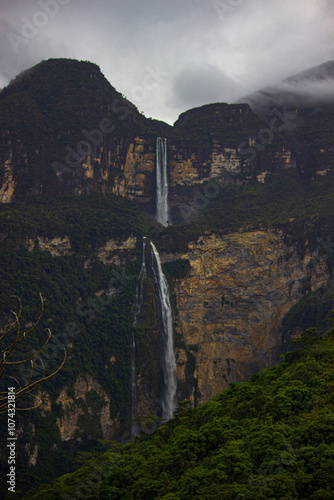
30	385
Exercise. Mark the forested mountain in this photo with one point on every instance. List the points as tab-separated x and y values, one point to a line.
248	257
271	437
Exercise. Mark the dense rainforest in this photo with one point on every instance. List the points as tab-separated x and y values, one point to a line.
74	234
268	438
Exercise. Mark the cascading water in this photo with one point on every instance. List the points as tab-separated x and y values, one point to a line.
134	427
162	211
169	363
136	310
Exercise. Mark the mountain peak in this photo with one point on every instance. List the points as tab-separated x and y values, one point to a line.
311	88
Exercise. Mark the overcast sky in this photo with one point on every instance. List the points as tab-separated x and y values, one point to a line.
167	56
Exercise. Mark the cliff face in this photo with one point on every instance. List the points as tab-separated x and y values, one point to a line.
229	310
231	306
7	182
89	405
126	167
110	147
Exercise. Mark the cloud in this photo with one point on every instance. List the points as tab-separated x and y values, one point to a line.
202	84
210	49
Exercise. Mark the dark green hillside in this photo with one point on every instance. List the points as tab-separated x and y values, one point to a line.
287	203
232	123
270	438
88	220
92	328
69	96
49	108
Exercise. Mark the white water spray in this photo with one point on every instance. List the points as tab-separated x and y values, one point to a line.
162	211
169	363
136	310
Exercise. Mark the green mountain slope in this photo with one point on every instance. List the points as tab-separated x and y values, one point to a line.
270	438
50	110
203	449
69	95
302	109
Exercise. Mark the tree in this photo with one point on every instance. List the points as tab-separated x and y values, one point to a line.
10	348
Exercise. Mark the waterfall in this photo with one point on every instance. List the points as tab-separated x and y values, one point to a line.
139	297
162	212
136	310
169	363
134	427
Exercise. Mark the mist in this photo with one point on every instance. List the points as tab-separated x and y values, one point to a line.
166	57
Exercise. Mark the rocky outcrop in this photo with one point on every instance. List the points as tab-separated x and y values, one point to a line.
221	163
229	313
135	177
113	251
90	400
127	168
7	181
58	246
116	153
231	305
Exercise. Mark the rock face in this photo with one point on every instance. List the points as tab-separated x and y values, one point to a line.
89	400
56	246
110	147
113	251
134	177
7	187
231	306
127	168
229	312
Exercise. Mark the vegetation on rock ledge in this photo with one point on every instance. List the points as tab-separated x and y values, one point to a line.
272	437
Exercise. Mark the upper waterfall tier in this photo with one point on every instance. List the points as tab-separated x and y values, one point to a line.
162	211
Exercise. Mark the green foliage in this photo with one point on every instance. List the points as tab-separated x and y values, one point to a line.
312	310
219	120
102	332
76	93
272	437
268	204
88	220
307	338
177	269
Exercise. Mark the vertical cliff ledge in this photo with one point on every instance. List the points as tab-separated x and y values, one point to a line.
231	305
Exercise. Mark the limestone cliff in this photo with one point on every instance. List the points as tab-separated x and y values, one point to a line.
231	306
114	252
109	147
56	246
126	167
229	309
89	403
7	183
